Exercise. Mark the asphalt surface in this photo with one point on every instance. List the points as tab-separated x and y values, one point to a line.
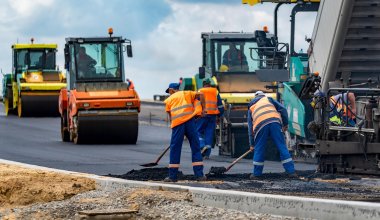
37	141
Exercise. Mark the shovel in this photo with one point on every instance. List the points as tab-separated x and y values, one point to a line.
158	159
221	170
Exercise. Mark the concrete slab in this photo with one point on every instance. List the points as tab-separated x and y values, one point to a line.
249	202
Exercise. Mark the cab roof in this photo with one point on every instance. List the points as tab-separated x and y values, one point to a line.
95	39
34	46
228	35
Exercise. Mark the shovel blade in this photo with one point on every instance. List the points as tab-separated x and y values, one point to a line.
149	165
217	170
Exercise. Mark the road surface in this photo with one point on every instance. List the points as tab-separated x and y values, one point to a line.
37	141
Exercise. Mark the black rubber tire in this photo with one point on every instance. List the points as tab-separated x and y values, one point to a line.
65	134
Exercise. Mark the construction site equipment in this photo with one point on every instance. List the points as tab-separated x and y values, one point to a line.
157	160
34	84
221	170
261	64
343	57
98	104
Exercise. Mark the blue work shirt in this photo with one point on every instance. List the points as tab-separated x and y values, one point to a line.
280	109
220	105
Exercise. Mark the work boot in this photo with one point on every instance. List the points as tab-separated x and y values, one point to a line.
168	180
201	178
253	177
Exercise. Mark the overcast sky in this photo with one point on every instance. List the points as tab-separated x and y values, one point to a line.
165	34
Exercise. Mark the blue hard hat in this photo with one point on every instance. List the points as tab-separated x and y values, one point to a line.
172	86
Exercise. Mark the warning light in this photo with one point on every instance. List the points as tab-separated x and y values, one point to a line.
110	31
316	74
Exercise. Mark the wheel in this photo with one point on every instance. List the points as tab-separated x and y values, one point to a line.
65	135
6	106
19	107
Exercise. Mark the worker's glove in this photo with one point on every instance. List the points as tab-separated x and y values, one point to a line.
285	128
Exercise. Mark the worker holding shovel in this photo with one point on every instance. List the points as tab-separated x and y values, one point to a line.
181	109
268	118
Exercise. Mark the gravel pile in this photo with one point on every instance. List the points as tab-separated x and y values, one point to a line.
151	204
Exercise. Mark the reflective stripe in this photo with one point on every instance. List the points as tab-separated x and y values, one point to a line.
263	113
182	114
181	107
258	163
259	108
173	165
220	106
197	163
210	109
211	102
197	104
287	160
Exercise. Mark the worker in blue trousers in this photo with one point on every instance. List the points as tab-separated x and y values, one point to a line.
267	118
181	109
206	124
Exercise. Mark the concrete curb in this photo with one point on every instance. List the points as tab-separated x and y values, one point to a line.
245	201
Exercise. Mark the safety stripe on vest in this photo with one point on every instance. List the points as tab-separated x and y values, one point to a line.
198	104
263	113
197	164
211	102
258	163
211	109
220	106
287	160
173	165
181	107
182	114
259	108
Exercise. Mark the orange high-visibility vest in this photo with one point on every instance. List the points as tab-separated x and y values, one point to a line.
211	105
262	110
181	107
340	107
197	108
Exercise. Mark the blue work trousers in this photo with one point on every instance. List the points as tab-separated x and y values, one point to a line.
206	131
178	132
272	130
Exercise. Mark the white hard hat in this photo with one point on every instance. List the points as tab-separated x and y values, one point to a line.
259	93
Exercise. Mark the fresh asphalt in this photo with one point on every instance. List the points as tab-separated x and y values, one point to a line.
37	141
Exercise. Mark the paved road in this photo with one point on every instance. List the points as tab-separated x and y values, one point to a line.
37	141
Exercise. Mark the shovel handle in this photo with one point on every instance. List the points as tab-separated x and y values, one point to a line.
162	154
238	159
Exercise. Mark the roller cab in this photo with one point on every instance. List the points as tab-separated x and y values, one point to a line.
240	64
32	89
98	105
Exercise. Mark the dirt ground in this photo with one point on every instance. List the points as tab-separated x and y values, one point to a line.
36	194
20	186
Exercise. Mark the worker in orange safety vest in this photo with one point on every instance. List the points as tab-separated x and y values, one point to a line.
267	118
131	85
181	109
206	125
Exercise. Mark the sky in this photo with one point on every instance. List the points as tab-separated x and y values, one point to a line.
165	34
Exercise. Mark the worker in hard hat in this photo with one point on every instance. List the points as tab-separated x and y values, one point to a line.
206	124
267	118
343	109
235	59
131	85
181	106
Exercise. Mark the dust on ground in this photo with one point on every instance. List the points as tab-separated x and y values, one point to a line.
22	186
